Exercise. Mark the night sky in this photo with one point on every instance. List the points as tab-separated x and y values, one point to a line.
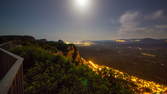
97	20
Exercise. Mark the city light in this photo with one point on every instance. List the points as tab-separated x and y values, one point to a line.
141	83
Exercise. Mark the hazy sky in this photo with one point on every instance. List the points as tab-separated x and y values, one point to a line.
95	20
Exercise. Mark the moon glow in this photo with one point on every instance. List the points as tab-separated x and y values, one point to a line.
82	4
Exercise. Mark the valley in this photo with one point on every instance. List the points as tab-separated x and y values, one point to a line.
146	59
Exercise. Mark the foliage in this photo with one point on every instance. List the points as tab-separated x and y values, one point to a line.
49	73
32	54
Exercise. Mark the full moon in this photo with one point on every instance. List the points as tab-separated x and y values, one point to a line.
82	4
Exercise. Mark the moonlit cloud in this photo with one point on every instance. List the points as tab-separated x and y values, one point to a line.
157	14
129	21
131	25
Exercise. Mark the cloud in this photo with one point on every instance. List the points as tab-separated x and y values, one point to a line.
129	18
129	21
137	25
157	14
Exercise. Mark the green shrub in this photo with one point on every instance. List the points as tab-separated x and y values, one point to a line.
32	54
55	74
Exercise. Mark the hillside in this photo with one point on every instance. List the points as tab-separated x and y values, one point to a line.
57	68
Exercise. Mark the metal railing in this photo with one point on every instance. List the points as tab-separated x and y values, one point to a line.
11	72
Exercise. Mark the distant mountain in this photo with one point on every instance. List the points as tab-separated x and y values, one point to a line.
128	40
146	42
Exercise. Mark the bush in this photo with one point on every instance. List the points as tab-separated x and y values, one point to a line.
55	74
32	54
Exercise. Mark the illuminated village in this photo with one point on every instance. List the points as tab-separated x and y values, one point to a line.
140	83
81	43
